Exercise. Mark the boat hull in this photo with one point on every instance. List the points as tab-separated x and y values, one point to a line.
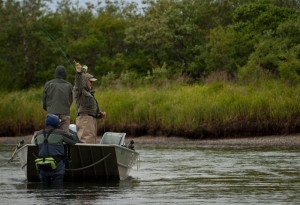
85	162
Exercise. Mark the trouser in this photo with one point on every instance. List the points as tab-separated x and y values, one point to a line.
53	177
64	122
87	129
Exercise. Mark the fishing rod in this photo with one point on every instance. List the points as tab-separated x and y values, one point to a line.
56	44
84	67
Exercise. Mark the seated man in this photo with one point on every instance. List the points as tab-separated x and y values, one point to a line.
50	142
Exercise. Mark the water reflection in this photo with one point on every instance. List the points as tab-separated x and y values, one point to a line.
187	174
81	193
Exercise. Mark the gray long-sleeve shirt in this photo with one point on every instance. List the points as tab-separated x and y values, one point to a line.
58	95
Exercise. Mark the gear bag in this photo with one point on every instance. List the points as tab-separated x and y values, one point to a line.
46	164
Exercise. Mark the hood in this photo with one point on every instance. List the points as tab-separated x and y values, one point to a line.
60	72
52	120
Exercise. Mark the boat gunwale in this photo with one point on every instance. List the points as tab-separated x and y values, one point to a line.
84	144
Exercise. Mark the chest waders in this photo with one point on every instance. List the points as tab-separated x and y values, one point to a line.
46	163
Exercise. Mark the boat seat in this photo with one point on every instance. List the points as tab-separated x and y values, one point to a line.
113	138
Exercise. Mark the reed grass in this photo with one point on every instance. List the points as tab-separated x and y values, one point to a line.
21	111
193	110
190	109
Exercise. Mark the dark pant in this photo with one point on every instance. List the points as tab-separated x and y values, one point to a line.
53	177
55	181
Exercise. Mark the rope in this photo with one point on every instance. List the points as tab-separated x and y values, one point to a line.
14	153
91	165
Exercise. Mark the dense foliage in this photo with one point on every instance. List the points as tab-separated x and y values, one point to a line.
244	40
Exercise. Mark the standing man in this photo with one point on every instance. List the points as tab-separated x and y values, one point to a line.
50	142
58	97
87	108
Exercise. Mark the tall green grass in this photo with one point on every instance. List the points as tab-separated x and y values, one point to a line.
21	111
218	109
200	109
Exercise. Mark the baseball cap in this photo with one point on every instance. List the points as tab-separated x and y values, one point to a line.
90	77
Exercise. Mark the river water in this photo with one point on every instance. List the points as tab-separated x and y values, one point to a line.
174	174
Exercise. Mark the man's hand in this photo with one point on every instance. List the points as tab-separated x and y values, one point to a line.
103	114
78	67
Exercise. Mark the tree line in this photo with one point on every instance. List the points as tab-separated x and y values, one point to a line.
239	40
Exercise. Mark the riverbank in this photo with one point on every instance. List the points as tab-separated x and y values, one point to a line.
217	110
280	140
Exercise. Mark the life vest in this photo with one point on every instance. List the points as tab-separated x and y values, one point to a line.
46	163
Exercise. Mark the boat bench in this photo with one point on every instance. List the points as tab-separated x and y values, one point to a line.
113	138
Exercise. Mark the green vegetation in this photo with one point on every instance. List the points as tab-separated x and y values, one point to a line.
21	112
212	110
176	67
187	38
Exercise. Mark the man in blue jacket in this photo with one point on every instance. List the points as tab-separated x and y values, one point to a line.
50	142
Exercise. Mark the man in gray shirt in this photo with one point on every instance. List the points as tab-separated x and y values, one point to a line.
58	97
